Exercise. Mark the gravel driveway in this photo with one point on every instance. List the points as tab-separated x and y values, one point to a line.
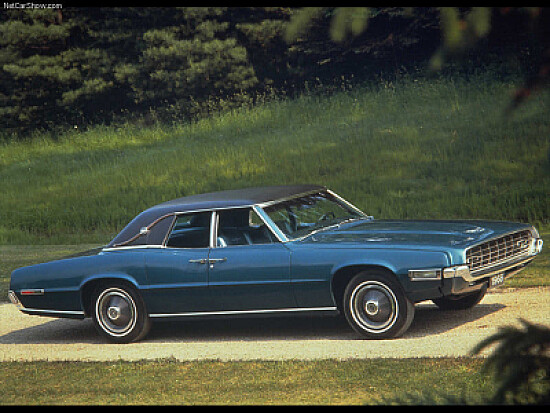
433	333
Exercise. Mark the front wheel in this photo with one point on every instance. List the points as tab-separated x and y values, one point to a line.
119	313
376	307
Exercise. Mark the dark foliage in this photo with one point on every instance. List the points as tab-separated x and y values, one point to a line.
75	66
521	363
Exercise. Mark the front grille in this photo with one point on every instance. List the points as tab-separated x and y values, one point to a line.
498	250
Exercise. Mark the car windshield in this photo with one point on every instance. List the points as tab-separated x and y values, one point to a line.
299	217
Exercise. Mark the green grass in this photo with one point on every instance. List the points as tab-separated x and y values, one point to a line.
537	273
15	256
324	382
415	148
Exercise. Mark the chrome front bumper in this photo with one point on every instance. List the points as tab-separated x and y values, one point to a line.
459	279
508	268
462	281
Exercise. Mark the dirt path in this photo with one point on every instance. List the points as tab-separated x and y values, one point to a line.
432	333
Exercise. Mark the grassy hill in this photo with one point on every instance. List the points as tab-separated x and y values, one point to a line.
416	148
413	148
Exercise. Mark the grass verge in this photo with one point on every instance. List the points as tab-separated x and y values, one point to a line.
323	382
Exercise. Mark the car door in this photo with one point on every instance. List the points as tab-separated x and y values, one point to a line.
249	269
178	273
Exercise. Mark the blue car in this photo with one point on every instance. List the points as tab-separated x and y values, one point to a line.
270	251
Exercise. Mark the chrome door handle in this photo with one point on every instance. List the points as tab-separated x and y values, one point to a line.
201	261
213	260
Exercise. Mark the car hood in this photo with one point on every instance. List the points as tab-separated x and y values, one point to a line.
416	234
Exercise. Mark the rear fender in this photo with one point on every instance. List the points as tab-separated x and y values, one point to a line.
89	284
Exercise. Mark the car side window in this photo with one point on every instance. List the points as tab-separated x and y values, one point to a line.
242	226
190	231
157	233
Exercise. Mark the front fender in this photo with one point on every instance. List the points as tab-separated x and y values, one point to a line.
398	262
313	269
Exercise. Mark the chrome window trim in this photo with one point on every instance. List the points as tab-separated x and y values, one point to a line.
169	231
214	220
349	204
288	198
176	214
263	217
258	208
132	247
143	231
270	224
283	235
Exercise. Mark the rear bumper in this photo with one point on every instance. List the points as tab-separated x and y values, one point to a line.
14	299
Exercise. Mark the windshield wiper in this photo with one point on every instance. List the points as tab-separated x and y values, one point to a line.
336	225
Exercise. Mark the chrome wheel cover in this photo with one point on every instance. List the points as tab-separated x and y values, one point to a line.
116	312
373	306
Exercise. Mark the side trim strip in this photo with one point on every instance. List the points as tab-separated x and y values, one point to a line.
36	310
278	310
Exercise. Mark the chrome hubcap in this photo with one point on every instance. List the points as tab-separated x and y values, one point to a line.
116	311
374	306
113	313
371	308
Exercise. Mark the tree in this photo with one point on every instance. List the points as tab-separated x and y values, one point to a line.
82	65
186	62
55	69
461	30
32	69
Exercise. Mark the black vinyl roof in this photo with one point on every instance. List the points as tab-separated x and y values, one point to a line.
234	198
237	197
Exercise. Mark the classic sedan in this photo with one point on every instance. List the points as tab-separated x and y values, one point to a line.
276	250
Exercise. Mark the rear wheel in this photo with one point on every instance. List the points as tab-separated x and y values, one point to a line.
375	305
119	313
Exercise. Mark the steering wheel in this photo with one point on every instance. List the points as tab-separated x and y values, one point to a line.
328	215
